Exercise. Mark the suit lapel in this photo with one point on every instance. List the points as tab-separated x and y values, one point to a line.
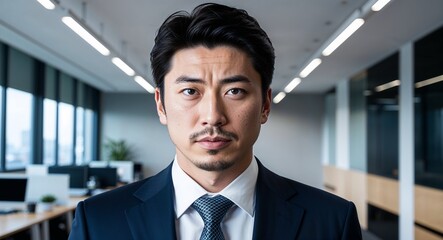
276	216
154	217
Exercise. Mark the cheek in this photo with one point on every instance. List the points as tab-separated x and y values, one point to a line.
180	117
249	119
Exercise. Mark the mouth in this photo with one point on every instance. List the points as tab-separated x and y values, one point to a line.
213	143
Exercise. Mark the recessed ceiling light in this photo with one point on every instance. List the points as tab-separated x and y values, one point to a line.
349	30
123	66
310	67
48	4
82	31
279	97
379	5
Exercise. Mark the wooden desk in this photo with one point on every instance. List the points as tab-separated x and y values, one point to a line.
37	222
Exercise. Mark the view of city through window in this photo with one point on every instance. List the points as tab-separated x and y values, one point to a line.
18	128
65	133
47	116
49	133
18	131
79	141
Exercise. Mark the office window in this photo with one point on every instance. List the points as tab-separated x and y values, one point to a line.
50	116
89	135
80	125
79	139
66	121
87	99
65	133
18	128
49	131
19	97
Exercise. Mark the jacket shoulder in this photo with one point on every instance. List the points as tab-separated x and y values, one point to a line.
130	194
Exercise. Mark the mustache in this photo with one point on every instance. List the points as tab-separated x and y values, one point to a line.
211	131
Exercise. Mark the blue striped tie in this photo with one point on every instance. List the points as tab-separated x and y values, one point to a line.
212	210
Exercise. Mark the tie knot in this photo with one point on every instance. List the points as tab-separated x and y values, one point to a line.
212	210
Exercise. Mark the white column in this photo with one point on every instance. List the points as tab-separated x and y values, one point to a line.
406	147
342	125
325	139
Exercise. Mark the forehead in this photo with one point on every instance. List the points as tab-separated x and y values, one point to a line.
201	53
216	60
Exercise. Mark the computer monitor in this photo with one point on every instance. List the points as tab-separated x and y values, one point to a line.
36	169
53	184
96	164
78	175
107	176
125	169
13	189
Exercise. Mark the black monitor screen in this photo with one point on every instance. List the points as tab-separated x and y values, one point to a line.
78	175
106	176
13	189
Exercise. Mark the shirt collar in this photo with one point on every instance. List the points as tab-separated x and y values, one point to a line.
241	191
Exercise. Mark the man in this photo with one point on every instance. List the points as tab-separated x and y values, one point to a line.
213	69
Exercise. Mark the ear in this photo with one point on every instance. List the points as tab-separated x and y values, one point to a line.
266	109
160	109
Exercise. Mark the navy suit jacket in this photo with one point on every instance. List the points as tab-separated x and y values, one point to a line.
284	209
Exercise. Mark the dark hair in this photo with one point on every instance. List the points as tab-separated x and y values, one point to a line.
212	25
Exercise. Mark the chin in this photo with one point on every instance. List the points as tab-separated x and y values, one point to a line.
213	163
214	166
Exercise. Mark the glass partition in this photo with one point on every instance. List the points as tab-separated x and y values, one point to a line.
429	110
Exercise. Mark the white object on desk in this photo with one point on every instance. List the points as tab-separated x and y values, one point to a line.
55	184
36	169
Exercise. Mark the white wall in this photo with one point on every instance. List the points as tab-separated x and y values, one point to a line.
290	142
342	125
133	117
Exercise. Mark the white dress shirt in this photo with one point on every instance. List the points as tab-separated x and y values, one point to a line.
238	223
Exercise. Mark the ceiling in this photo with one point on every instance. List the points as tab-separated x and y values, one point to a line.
297	28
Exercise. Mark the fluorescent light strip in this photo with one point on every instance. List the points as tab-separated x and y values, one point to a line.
123	66
142	82
279	97
379	5
294	83
311	66
83	33
388	85
429	81
48	4
356	24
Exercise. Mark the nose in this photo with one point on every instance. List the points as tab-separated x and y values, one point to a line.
212	110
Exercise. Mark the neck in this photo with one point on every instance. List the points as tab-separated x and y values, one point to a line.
213	181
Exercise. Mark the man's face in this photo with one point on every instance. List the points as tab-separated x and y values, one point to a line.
213	108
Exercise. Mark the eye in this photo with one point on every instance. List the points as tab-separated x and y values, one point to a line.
236	91
189	92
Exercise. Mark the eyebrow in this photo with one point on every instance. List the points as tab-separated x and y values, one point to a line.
233	79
